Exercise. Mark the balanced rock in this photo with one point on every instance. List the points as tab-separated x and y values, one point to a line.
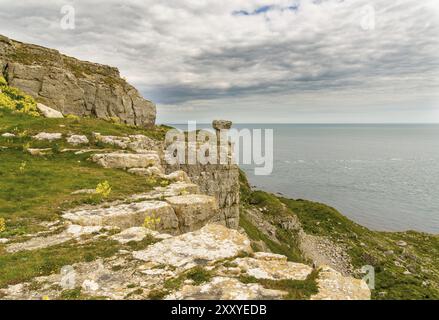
222	124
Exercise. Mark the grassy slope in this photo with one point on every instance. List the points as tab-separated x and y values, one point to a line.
366	247
37	188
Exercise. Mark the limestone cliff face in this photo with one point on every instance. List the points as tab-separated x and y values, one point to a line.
222	182
73	86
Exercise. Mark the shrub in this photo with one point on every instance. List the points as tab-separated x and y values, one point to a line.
73	117
14	99
2	225
103	189
151	222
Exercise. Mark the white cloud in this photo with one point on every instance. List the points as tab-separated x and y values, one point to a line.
198	55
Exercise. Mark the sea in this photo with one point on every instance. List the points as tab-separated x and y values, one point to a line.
382	176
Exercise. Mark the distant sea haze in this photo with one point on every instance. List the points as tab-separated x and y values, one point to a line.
383	176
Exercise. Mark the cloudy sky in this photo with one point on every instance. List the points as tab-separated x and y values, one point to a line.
254	60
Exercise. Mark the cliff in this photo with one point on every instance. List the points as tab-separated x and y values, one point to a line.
72	86
117	225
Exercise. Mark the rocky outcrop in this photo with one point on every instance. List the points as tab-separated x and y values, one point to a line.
72	86
220	180
174	210
211	263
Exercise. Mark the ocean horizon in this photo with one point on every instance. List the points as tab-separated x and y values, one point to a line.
382	176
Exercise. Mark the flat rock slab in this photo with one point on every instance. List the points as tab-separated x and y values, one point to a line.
72	232
334	286
193	210
48	136
137	234
222	288
8	135
212	242
77	140
127	215
49	112
274	268
172	190
127	160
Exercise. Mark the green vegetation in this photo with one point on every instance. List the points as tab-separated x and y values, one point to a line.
35	189
198	275
23	266
401	272
14	99
410	272
297	289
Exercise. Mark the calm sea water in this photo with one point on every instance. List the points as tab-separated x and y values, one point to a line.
385	177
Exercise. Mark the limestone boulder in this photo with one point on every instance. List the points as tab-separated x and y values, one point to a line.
126	160
193	210
273	267
334	286
77	140
48	112
223	288
48	136
127	215
210	243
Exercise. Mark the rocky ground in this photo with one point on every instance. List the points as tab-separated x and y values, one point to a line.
167	242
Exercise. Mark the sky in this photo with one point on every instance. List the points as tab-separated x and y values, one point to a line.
254	61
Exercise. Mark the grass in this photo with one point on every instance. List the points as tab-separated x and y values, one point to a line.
198	275
23	266
364	246
367	247
35	189
296	289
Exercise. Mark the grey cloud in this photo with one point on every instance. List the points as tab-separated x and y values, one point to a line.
198	53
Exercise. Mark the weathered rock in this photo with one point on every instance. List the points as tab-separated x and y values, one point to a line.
39	152
178	176
172	190
137	234
90	286
193	210
84	191
401	243
48	136
8	135
127	215
121	142
77	140
148	172
221	288
273	266
219	181
334	286
4	240
72	232
222	124
72	86
49	112
211	243
127	160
